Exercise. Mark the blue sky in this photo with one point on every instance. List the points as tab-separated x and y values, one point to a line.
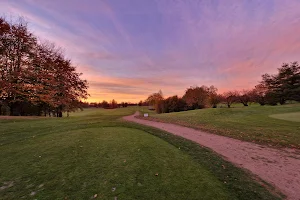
128	49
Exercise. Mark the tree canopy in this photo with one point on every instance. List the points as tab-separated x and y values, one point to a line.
196	97
285	85
36	77
154	98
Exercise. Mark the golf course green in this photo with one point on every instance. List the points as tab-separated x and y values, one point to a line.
271	125
95	154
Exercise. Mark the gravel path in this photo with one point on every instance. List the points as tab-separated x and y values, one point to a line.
279	167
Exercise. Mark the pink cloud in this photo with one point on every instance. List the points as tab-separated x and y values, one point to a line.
219	45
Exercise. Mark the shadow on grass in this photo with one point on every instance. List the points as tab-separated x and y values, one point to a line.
238	181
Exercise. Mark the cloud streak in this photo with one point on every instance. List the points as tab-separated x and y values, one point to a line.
129	48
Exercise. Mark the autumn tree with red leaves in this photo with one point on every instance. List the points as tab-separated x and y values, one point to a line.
196	97
36	75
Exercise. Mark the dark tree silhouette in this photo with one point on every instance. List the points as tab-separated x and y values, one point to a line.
173	104
244	97
230	97
285	85
258	94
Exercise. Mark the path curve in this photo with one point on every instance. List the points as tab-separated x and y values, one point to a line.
279	167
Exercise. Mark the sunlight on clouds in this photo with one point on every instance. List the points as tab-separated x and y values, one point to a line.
127	51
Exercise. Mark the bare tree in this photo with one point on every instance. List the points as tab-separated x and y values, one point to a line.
244	97
258	94
230	97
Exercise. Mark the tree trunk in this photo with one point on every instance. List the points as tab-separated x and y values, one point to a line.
39	112
228	105
11	110
282	101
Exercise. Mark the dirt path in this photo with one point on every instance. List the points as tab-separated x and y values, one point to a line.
280	167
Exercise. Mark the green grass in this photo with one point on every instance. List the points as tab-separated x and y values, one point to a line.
294	116
272	125
94	152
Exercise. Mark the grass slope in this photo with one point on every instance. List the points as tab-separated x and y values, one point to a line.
93	152
251	123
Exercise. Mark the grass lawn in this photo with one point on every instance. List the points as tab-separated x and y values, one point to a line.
272	125
294	116
94	152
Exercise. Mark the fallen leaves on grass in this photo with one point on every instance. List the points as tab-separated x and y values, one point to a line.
32	193
7	185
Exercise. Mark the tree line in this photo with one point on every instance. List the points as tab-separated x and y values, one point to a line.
35	77
271	90
109	105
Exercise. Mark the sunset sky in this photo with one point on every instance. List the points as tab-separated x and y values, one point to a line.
128	49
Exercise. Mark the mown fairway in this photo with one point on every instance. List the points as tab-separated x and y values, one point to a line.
273	125
94	152
294	116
